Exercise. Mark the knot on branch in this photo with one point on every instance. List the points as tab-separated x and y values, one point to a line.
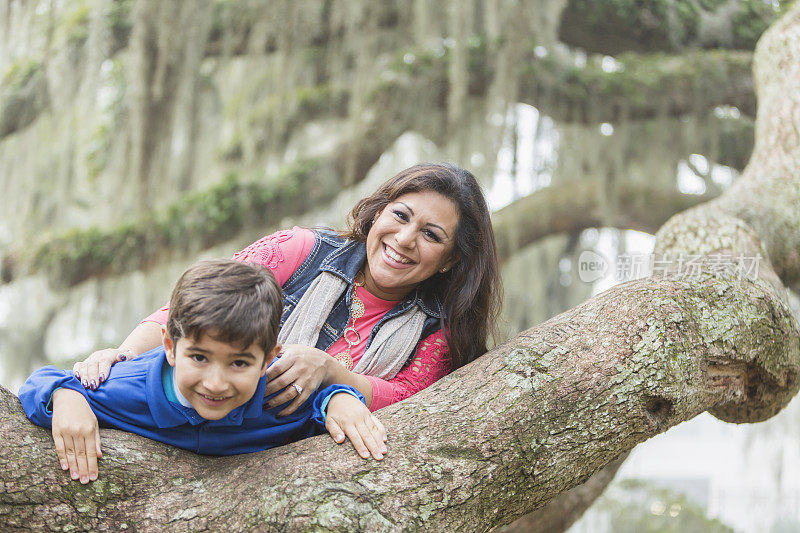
758	375
658	409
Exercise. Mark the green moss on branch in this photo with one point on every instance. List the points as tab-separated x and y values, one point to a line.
195	221
568	86
23	94
640	86
614	26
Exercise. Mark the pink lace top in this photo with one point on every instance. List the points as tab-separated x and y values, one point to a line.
283	252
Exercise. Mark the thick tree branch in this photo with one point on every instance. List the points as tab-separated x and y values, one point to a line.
579	205
537	415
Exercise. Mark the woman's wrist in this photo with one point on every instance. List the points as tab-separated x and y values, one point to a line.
336	373
333	371
144	337
127	352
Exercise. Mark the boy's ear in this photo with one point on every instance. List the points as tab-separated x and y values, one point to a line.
269	357
169	348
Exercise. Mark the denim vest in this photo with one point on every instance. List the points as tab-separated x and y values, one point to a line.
344	258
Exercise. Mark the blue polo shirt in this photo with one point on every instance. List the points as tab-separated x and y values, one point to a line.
133	399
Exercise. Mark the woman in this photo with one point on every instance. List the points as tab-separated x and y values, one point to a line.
408	293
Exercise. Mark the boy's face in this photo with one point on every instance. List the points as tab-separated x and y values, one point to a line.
216	377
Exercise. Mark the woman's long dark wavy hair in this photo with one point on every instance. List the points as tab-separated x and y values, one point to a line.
471	290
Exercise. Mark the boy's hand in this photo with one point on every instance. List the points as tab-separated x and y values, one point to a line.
348	416
76	435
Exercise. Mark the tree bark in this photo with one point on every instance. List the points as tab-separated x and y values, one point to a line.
565	509
531	419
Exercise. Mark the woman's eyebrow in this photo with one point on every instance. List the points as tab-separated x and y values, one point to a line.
407	206
441	228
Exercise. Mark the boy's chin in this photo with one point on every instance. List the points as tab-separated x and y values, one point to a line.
212	414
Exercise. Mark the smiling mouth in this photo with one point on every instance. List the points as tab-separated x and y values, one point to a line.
214	400
395	256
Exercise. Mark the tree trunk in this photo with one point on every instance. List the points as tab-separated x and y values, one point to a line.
533	418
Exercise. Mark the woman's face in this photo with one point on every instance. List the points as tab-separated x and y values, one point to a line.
411	239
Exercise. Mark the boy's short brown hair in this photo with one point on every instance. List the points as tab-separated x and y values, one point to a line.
240	302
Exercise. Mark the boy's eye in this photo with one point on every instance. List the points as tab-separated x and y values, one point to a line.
198	358
241	363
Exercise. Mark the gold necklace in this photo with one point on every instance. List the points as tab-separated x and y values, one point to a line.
351	335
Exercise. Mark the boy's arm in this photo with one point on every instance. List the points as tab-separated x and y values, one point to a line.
37	392
54	398
342	410
76	435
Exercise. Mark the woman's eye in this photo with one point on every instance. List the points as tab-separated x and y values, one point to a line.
401	215
432	235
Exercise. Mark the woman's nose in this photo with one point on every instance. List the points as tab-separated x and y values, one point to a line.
405	236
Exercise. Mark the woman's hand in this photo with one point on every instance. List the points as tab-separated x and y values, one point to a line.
348	416
94	369
76	435
298	366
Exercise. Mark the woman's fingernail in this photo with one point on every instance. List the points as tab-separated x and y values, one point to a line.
92	476
74	475
85	383
92	385
101	379
122	357
84	479
75	373
64	466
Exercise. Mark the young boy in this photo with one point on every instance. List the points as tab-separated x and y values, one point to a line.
203	390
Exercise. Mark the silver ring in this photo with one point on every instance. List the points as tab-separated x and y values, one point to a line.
298	388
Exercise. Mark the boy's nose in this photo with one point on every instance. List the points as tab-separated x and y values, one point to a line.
214	381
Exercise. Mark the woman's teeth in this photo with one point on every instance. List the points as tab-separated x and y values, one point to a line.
394	255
